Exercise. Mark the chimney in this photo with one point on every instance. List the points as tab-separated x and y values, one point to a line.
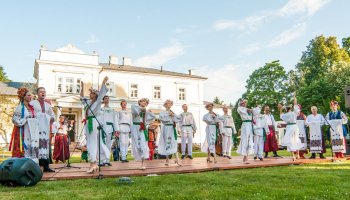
126	61
113	60
190	72
161	68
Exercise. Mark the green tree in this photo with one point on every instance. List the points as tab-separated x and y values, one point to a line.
322	73
268	85
218	101
346	44
3	76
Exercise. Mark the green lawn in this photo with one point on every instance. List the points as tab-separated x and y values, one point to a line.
314	181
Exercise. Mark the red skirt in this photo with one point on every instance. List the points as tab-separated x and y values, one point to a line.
271	141
61	146
15	143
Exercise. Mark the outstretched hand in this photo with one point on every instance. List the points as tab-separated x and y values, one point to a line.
105	80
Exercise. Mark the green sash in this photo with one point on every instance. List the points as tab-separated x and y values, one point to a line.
291	123
246	120
90	123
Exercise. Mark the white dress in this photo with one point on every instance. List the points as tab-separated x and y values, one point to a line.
30	127
92	136
315	122
44	117
302	134
167	141
291	138
337	136
210	130
139	143
246	145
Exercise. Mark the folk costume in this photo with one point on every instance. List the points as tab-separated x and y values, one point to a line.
228	131
317	144
246	145
110	127
187	127
261	129
25	135
291	138
124	120
271	144
45	116
61	145
302	133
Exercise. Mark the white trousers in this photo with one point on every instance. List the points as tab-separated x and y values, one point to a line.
106	150
258	146
124	144
226	145
186	136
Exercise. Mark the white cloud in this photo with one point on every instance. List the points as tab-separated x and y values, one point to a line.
308	7
288	35
162	56
254	22
228	82
92	39
250	49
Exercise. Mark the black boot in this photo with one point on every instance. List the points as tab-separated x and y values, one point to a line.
321	156
46	163
275	155
313	156
183	157
266	154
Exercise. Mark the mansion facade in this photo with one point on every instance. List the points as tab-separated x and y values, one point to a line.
61	72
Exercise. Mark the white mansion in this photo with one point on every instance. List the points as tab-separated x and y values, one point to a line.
61	71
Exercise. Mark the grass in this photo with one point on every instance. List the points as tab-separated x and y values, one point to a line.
314	181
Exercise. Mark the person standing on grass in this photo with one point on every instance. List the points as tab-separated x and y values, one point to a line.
338	132
61	145
187	130
228	132
315	122
301	118
168	138
92	129
271	143
124	120
110	127
25	135
139	136
246	145
212	131
46	117
260	130
291	138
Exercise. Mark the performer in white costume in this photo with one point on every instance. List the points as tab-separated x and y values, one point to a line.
110	127
337	120
187	129
25	135
139	136
301	118
92	129
46	117
168	138
246	145
315	122
261	129
228	131
291	138
124	120
212	131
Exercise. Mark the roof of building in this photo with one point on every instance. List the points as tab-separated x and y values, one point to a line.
5	89
147	70
215	104
10	88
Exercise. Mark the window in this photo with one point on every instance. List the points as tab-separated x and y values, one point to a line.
69	85
59	84
182	94
133	91
78	85
110	86
156	92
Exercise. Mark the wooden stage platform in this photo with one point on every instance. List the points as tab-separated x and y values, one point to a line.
157	167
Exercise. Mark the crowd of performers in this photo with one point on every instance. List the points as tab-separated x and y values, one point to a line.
111	131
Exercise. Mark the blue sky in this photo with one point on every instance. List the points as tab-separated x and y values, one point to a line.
222	40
